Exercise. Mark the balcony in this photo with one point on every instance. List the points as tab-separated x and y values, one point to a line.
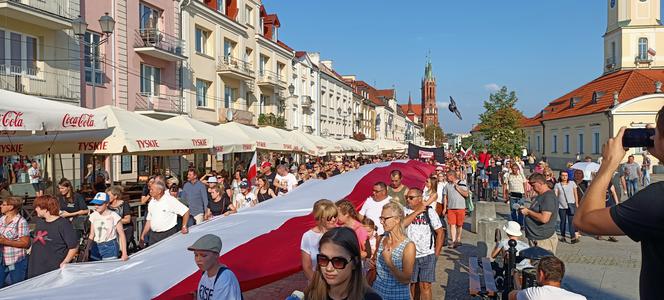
59	85
238	115
642	59
271	79
306	102
152	42
51	14
235	68
162	104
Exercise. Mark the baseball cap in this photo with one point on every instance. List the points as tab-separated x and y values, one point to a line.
266	164
212	179
439	168
244	185
100	198
208	242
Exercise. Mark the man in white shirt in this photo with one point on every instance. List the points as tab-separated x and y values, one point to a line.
162	218
284	181
35	178
217	282
373	206
550	272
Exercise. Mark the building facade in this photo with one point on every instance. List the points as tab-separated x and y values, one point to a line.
302	111
429	106
336	103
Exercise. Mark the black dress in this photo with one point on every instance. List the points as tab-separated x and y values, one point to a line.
263	196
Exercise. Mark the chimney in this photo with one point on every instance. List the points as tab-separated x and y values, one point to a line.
349	77
327	63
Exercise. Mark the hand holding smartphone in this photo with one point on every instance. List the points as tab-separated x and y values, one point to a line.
638	138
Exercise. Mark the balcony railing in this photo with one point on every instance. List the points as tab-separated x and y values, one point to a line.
159	103
32	81
642	59
168	47
233	66
54	7
306	101
266	77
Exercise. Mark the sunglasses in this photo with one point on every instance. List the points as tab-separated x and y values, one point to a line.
384	219
338	263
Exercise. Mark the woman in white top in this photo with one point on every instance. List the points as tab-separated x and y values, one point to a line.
430	192
325	213
568	202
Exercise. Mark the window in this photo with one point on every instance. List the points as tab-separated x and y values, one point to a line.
529	146
643	48
201	40
566	143
579	144
248	15
202	87
539	143
554	145
596	141
229	95
229	48
280	68
149	17
261	105
247	55
150	80
262	64
221	6
92	53
613	52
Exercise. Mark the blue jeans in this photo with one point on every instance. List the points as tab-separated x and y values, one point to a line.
516	214
632	186
646	178
14	273
566	218
105	250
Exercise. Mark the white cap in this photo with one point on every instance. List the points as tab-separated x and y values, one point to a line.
512	228
212	179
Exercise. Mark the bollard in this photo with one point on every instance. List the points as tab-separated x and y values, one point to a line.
483	210
509	267
486	235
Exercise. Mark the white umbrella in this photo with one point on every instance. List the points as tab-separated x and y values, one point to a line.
225	140
588	169
128	132
262	140
23	114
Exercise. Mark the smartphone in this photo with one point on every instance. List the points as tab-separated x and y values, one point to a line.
638	137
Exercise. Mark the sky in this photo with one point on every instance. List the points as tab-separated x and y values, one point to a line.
539	49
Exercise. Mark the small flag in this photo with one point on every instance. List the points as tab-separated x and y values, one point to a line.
652	51
251	174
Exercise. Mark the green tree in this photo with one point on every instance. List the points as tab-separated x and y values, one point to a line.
500	124
432	131
471	140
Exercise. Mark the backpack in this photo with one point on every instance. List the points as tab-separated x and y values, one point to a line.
433	231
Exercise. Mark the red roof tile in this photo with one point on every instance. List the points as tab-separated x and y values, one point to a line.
299	54
283	45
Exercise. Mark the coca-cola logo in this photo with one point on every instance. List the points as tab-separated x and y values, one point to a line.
82	121
13	119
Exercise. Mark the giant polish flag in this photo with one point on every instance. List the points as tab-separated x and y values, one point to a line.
260	245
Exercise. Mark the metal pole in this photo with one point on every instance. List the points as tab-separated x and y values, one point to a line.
94	75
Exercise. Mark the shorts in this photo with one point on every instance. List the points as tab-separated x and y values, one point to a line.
456	216
105	251
494	184
37	186
424	269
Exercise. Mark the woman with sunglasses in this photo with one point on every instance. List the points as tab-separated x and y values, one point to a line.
325	213
339	269
395	258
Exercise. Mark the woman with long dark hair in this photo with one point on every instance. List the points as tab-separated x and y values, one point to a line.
339	269
263	190
72	206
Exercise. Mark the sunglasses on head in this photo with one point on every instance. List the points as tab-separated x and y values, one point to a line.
338	263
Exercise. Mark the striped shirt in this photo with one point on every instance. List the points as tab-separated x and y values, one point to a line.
16	229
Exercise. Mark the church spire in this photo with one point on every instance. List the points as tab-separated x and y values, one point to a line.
410	104
428	69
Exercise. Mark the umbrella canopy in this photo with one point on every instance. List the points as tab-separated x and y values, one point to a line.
128	132
24	113
260	138
325	144
225	141
588	169
306	144
283	136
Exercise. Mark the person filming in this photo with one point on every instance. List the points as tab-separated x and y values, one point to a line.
640	217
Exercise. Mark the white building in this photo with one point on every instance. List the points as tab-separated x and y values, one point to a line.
302	110
336	100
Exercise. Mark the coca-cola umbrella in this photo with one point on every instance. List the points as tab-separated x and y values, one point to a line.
22	114
128	132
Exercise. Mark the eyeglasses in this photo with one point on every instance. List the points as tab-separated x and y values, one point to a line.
338	263
384	219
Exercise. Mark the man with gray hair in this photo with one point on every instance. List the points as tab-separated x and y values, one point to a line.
162	218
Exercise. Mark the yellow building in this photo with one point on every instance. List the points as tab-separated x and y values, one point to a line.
628	94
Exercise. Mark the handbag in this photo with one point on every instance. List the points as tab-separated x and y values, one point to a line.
571	207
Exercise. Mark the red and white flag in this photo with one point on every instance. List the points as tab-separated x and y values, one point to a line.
652	51
251	174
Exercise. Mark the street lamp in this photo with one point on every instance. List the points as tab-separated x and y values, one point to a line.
80	27
344	115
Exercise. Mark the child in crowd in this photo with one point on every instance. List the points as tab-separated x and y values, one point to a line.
105	230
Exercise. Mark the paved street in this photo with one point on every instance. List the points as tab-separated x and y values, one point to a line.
598	269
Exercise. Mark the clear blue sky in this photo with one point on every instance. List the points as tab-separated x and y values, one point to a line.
540	49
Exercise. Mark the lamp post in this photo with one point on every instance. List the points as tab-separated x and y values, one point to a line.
344	115
80	27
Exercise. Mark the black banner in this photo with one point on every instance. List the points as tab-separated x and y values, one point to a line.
426	153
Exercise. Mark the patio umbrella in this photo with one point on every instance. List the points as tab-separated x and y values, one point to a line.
225	140
588	169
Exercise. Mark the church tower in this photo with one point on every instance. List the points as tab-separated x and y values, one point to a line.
429	108
633	35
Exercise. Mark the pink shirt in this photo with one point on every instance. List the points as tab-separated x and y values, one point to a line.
361	234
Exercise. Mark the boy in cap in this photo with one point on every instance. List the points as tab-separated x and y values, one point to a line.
217	281
245	198
105	230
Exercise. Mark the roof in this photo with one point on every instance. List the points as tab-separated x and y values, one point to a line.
597	95
387	93
299	54
283	45
333	73
415	110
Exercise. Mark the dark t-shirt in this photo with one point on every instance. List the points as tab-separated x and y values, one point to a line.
270	180
74	206
542	231
219	208
123	210
146	191
263	196
641	218
50	246
495	173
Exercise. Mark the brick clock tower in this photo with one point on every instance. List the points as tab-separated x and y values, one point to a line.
429	107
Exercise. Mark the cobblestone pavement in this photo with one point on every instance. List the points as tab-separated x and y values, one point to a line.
598	269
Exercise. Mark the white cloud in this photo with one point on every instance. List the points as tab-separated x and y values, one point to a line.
442	104
492	87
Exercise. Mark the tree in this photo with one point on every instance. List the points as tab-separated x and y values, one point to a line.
500	124
471	140
431	131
